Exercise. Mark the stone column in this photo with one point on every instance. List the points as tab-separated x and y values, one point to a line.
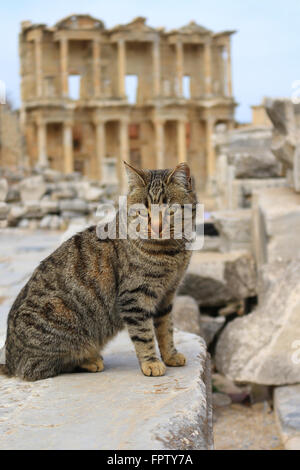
228	69
181	140
210	151
179	67
68	147
97	67
100	147
124	155
64	67
156	68
159	143
42	143
208	68
38	67
121	67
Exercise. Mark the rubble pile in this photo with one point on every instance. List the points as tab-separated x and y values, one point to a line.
48	199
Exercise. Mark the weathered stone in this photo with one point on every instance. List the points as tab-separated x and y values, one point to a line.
33	210
52	222
88	192
4	210
13	195
242	190
234	228
32	189
211	243
15	215
286	140
3	189
186	315
267	278
259	164
49	206
210	326
236	392
84	410
220	400
215	279
62	191
51	176
258	347
74	206
276	225
287	408
24	223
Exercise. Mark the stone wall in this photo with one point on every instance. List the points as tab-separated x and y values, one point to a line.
11	150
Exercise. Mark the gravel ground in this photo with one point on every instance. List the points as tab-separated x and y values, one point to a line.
240	427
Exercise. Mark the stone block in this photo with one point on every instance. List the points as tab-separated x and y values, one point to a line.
215	279
118	408
259	347
32	189
276	225
234	228
287	409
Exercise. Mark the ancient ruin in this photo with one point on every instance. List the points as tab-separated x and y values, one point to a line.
76	110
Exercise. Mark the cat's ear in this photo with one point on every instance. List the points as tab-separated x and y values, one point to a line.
135	176
181	174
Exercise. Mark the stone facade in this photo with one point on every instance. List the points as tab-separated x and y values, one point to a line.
183	90
10	138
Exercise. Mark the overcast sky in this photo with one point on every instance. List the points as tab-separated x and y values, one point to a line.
265	50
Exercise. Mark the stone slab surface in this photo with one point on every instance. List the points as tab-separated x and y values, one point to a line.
116	409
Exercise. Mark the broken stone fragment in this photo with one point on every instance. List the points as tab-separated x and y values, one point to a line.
32	189
74	206
4	210
186	315
210	327
216	279
287	409
276	225
261	347
234	228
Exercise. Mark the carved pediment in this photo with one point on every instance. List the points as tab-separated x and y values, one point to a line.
80	22
136	25
191	28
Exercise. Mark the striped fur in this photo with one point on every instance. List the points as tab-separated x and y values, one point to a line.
89	289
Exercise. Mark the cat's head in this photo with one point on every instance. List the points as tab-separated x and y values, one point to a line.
169	188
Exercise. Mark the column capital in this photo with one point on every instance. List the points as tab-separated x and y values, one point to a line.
99	120
159	120
182	119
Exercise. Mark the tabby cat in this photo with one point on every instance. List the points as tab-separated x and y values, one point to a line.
89	289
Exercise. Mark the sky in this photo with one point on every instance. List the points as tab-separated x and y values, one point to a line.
265	49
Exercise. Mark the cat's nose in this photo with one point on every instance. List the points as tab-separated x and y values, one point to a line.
156	226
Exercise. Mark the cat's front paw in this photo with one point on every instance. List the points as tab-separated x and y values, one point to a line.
176	360
154	368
